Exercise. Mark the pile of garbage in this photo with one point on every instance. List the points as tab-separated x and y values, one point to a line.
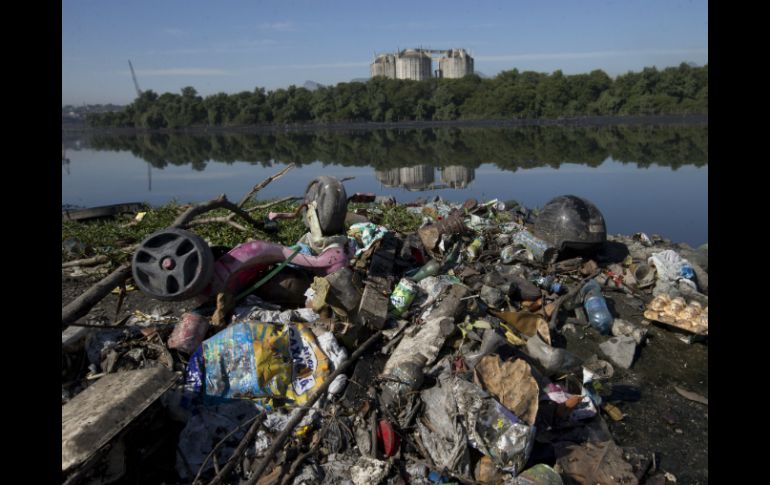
369	356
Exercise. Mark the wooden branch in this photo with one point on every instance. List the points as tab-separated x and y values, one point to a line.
239	450
263	184
259	467
301	458
220	202
81	305
222	220
96	260
273	203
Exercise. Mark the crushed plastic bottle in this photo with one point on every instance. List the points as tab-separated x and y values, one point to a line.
596	307
539	248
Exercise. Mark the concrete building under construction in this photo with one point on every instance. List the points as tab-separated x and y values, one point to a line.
417	64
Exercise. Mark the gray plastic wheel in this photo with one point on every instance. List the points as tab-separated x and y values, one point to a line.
173	265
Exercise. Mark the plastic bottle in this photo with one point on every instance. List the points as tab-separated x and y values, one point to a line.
547	283
596	307
431	268
474	248
536	246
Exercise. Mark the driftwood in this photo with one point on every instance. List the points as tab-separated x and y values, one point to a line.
81	305
223	220
96	260
220	202
273	203
259	467
263	184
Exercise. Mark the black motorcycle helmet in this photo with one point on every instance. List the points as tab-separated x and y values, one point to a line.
331	204
569	221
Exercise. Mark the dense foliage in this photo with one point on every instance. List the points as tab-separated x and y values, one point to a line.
508	148
510	94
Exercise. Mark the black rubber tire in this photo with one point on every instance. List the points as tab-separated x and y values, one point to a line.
193	265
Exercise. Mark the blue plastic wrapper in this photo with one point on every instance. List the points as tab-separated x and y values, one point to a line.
258	361
687	272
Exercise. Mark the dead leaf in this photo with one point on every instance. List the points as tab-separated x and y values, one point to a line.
594	463
692	396
525	323
512	384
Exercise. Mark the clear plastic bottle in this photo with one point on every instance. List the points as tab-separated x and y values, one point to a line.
596	307
536	246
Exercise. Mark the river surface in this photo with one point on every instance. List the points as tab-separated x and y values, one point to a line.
643	178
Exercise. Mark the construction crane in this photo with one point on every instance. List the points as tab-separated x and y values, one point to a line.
133	75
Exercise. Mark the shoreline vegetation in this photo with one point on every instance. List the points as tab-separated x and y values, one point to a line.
511	97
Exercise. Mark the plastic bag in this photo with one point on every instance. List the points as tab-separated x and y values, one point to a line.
259	361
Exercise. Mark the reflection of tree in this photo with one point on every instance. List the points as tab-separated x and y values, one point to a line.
508	148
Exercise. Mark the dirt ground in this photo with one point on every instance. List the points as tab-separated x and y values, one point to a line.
658	420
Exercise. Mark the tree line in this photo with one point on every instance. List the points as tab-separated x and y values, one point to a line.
510	94
507	148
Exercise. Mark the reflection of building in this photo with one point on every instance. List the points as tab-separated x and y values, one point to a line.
457	176
422	177
389	177
417	64
419	177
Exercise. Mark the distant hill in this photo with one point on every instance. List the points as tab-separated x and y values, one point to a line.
312	85
360	80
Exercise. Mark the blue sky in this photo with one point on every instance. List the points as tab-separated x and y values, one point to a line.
231	46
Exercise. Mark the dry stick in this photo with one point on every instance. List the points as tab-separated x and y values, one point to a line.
561	299
257	422
220	202
81	305
245	442
273	203
263	184
260	466
301	458
223	220
96	260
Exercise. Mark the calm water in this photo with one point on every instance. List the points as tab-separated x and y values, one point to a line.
642	178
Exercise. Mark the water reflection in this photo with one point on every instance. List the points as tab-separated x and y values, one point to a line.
644	178
457	152
422	177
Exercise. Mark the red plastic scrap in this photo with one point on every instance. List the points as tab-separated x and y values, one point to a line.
389	440
615	278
